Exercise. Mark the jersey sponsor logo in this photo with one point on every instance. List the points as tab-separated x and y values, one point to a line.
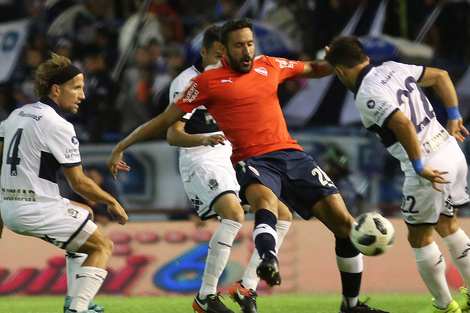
9	194
229	80
191	94
381	111
254	170
213	184
73	213
371	104
262	71
71	153
282	63
33	116
74	140
387	78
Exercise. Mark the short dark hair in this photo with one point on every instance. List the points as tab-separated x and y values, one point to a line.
234	25
211	35
346	51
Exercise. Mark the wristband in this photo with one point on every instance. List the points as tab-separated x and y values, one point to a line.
453	113
418	165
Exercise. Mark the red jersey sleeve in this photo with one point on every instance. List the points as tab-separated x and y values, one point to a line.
287	69
195	95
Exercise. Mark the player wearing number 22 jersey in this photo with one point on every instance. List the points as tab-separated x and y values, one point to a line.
392	104
393	86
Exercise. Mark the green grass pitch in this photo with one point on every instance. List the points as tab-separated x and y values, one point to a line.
411	303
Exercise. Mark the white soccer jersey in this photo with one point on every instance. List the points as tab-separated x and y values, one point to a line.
37	142
393	86
206	171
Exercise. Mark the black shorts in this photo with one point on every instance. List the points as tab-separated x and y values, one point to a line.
292	175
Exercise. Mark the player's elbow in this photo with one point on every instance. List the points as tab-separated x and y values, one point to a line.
170	137
78	183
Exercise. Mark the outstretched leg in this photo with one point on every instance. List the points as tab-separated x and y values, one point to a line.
332	212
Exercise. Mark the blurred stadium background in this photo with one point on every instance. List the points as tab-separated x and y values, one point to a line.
130	50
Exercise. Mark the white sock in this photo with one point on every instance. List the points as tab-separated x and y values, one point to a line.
89	281
250	279
73	262
459	246
352	265
282	227
432	267
220	246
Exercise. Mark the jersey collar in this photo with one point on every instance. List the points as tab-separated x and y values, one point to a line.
198	65
52	104
361	76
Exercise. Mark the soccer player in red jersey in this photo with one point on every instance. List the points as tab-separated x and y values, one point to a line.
240	92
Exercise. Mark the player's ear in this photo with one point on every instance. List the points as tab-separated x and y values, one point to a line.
55	89
339	70
203	51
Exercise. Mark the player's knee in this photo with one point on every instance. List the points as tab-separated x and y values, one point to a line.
266	204
106	245
233	213
285	215
344	229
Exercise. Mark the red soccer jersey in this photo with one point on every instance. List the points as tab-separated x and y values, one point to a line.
246	106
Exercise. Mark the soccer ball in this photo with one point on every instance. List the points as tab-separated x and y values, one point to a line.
372	234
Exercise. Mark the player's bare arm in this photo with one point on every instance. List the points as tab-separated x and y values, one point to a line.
152	128
176	136
406	134
440	81
89	190
316	69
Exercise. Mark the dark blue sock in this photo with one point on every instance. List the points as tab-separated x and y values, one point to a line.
351	281
265	235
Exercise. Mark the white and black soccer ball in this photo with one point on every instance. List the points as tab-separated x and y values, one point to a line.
372	234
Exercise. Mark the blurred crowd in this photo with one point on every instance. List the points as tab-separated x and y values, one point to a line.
130	50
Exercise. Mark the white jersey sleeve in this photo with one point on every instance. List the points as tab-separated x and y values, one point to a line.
179	85
64	145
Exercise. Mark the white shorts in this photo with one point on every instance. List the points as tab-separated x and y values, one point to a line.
424	205
207	174
66	226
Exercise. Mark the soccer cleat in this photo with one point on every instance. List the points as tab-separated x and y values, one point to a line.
244	297
453	307
464	302
268	270
211	304
361	307
93	307
73	311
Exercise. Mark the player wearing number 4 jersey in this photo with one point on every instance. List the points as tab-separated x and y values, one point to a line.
241	94
392	105
35	142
